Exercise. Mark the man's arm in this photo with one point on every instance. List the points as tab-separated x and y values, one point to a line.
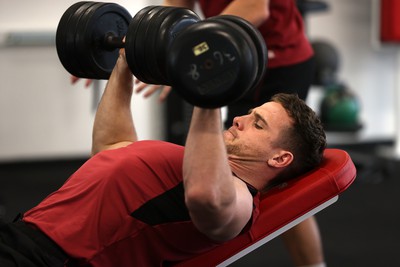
304	243
180	3
113	124
219	204
254	11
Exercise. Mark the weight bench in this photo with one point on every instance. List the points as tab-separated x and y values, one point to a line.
283	207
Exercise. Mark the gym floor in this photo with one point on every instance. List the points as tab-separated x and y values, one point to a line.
361	229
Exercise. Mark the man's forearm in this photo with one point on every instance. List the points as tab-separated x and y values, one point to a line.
255	11
205	151
113	123
208	180
180	3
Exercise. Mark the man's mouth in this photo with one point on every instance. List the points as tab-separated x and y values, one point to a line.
232	132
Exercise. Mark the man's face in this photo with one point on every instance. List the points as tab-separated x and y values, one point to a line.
252	136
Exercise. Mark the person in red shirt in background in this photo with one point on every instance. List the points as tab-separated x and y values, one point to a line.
290	69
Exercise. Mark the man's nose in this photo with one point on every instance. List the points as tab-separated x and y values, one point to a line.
238	122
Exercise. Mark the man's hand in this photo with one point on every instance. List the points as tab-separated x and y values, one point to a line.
75	79
151	89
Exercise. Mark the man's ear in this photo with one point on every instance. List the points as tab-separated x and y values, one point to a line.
282	159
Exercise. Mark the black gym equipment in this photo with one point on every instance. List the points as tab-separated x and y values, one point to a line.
209	63
87	37
225	61
311	6
327	61
149	37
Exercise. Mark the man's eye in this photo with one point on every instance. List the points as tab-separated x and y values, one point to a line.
257	126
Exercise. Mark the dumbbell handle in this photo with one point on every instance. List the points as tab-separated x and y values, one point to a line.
111	41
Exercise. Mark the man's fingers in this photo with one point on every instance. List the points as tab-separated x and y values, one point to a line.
88	82
164	93
140	86
151	89
74	79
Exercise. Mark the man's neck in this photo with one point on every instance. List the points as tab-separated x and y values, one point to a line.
257	174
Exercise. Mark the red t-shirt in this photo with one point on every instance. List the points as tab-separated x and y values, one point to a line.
124	207
283	31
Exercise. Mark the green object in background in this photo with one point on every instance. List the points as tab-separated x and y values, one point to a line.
340	109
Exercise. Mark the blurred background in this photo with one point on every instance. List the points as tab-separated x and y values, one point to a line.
46	123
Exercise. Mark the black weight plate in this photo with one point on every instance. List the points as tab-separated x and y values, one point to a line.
75	25
80	42
175	21
212	63
249	40
65	37
152	39
101	19
131	38
61	35
258	41
142	43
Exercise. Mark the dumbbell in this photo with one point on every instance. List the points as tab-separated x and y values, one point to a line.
217	60
150	34
89	35
210	63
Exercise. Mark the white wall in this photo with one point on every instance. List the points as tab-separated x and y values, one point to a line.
41	114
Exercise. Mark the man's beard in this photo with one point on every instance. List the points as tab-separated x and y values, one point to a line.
238	150
233	149
244	153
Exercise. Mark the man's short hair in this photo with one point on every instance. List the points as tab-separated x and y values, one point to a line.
305	138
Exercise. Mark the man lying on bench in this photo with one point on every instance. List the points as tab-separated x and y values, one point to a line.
285	206
152	203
